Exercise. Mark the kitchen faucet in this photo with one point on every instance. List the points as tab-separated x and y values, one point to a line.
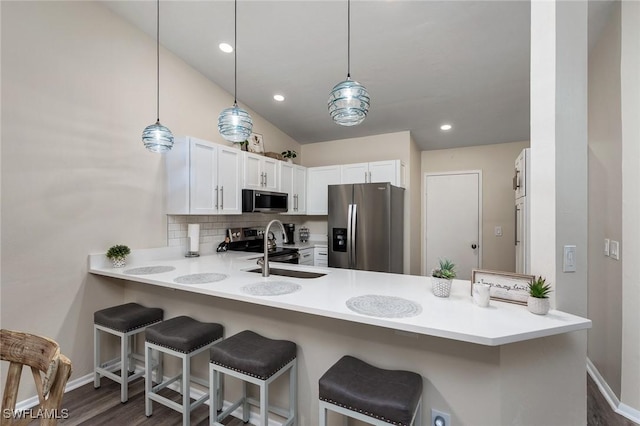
265	260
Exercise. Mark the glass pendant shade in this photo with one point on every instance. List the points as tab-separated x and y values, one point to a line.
157	138
235	124
348	103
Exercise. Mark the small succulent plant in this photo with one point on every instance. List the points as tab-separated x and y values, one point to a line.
539	288
118	251
446	270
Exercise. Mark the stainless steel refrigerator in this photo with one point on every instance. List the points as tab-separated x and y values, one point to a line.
366	227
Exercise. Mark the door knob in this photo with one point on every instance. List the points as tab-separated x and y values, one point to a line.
474	246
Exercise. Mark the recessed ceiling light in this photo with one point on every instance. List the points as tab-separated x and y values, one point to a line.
226	47
278	98
445	127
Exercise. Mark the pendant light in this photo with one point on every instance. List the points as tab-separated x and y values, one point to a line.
156	137
349	100
234	123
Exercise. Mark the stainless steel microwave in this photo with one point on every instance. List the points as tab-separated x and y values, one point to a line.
264	201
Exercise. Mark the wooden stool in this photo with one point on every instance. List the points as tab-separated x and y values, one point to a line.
182	337
253	359
380	397
124	321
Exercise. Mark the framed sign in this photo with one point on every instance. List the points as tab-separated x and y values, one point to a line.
256	143
505	286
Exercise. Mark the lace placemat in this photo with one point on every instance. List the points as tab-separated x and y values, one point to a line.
384	306
146	270
271	288
202	278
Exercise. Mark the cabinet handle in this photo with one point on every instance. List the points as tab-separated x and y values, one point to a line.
216	202
370	177
295	202
222	198
365	177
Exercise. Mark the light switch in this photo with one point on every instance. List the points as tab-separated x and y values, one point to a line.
498	231
569	263
606	247
614	250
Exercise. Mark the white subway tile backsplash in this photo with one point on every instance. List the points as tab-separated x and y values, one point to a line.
213	229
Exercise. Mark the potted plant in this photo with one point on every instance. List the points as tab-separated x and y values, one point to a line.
118	255
242	145
441	278
289	155
538	301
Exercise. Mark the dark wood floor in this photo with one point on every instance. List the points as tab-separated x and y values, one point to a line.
599	413
92	407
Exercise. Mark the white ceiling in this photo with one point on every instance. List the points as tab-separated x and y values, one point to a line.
424	62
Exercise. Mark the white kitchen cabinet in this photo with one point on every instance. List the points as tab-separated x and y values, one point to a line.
203	178
318	181
293	181
321	256
306	256
260	172
378	171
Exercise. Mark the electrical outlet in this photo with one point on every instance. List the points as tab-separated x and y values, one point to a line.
440	418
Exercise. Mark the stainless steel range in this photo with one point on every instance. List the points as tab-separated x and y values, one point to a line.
252	240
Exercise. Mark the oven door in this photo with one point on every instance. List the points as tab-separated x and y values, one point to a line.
285	258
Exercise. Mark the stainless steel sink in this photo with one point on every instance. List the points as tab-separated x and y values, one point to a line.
289	273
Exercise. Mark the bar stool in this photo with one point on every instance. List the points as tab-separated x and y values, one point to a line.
255	359
380	397
182	337
124	321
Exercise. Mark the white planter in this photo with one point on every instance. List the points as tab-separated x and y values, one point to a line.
538	306
119	262
441	286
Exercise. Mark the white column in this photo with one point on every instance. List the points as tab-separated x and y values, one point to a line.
559	147
630	249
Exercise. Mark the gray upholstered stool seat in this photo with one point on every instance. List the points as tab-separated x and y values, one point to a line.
182	337
127	317
353	387
183	334
124	321
258	360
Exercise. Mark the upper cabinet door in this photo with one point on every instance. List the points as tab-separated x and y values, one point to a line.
286	184
354	173
230	180
260	172
253	174
300	189
203	178
270	170
386	171
318	181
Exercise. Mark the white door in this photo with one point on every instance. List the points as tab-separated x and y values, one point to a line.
452	221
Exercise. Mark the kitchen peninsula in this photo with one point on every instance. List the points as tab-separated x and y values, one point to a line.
477	362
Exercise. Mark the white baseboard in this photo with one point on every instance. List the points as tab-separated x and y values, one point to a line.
254	418
617	406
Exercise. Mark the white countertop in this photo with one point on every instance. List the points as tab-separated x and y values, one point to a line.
454	318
